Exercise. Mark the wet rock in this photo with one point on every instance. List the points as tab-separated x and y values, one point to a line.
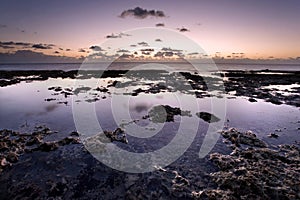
47	146
116	135
166	113
252	100
210	118
237	138
255	173
273	135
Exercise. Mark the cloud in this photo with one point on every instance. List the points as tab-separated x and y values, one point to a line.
160	25
11	43
147	49
96	48
28	56
193	53
126	56
141	13
133	45
42	46
123	51
68	49
56	52
145	44
3	26
158	40
183	29
81	50
170	49
118	35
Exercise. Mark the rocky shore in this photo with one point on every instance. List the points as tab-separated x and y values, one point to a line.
34	168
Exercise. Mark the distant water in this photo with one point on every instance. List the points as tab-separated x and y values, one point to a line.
130	65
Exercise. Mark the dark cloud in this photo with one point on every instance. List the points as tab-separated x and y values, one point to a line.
56	52
147	49
11	43
183	29
133	45
141	13
193	53
68	49
96	48
118	35
61	49
28	56
126	56
123	51
42	46
160	25
3	26
113	36
158	40
170	49
144	44
81	50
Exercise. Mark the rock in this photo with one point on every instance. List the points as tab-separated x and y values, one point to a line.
166	113
210	118
247	138
12	157
116	135
252	100
47	146
273	135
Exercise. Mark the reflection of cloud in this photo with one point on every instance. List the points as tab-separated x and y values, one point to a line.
51	107
145	44
96	48
158	40
140	107
160	25
141	13
42	46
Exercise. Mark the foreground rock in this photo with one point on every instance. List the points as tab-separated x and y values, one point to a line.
254	171
13	144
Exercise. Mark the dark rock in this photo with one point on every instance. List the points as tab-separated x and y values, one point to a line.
273	135
252	100
166	113
116	135
210	118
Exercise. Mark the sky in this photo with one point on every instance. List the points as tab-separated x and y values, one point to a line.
62	30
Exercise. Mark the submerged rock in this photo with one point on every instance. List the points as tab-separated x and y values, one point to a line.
166	113
210	118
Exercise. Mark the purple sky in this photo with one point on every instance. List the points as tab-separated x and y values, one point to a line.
259	29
